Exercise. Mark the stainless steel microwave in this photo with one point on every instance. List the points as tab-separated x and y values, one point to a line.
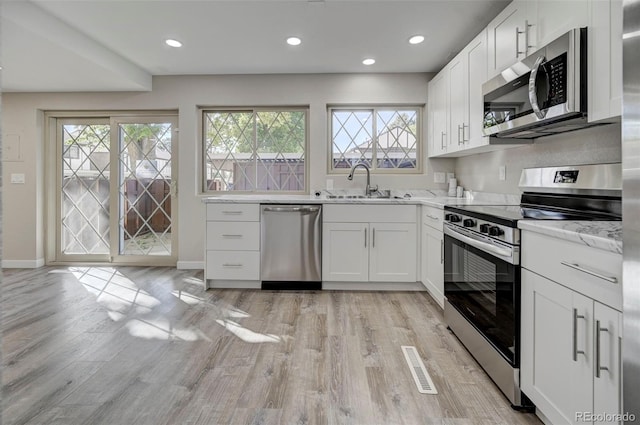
544	94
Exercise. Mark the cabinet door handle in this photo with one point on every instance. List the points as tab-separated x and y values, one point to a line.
464	138
442	144
576	316
365	237
432	217
460	139
232	212
518	32
231	236
527	26
599	367
232	265
591	272
373	238
442	251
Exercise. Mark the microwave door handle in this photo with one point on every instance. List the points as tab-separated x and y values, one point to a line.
533	96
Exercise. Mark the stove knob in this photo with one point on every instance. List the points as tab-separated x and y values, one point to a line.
467	222
454	218
495	231
484	228
447	217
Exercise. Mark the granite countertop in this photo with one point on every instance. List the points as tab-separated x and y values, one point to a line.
605	235
398	197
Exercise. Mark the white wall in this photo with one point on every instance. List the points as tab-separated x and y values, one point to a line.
24	207
589	146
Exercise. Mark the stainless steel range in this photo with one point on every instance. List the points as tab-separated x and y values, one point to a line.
482	260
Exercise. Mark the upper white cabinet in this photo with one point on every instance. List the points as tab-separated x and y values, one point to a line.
455	95
605	59
526	25
438	117
510	36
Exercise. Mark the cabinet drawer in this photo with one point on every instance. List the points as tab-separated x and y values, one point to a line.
233	265
367	213
233	212
589	271
433	217
233	236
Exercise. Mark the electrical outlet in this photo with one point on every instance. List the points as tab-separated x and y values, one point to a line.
502	173
439	177
17	178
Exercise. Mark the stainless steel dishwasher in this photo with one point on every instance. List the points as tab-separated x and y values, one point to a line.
291	246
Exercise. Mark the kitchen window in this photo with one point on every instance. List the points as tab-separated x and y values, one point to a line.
386	139
255	149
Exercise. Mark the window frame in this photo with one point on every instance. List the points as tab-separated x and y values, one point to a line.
374	108
203	110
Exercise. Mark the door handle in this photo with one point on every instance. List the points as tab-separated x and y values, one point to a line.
373	238
365	237
442	144
576	316
460	139
518	52
442	251
599	367
582	269
533	95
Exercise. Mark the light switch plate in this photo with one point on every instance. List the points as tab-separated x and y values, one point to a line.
329	184
439	177
17	178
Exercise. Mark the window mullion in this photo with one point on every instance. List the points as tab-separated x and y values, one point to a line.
374	139
255	150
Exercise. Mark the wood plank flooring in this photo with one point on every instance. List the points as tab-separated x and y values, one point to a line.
134	345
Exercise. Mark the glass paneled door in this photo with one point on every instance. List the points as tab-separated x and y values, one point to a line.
117	190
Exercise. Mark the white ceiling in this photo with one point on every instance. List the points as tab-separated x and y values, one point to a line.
112	45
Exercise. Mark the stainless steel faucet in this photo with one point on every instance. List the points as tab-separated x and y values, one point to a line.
369	189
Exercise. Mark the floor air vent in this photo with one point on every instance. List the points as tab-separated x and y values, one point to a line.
418	371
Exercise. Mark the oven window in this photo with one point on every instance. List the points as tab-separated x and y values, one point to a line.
485	290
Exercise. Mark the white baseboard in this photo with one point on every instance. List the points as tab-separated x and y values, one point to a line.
23	264
373	286
190	265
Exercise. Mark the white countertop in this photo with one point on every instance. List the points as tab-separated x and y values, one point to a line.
605	235
417	198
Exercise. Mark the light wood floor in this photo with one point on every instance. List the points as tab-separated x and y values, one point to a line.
148	346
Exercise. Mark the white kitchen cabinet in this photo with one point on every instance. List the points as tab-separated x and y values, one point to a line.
232	245
392	256
570	327
605	60
432	253
461	107
369	243
345	252
510	36
438	115
552	19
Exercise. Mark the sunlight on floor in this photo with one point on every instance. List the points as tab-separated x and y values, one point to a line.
122	299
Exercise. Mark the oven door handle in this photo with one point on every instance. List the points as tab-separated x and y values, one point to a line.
480	244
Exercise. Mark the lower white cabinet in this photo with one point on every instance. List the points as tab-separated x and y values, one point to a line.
432	254
232	245
571	333
570	352
367	243
369	252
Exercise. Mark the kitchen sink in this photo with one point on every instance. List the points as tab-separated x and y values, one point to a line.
381	194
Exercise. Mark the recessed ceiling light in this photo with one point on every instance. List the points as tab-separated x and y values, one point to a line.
173	43
416	39
293	41
368	61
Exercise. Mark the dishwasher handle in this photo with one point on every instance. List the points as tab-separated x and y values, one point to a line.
292	209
